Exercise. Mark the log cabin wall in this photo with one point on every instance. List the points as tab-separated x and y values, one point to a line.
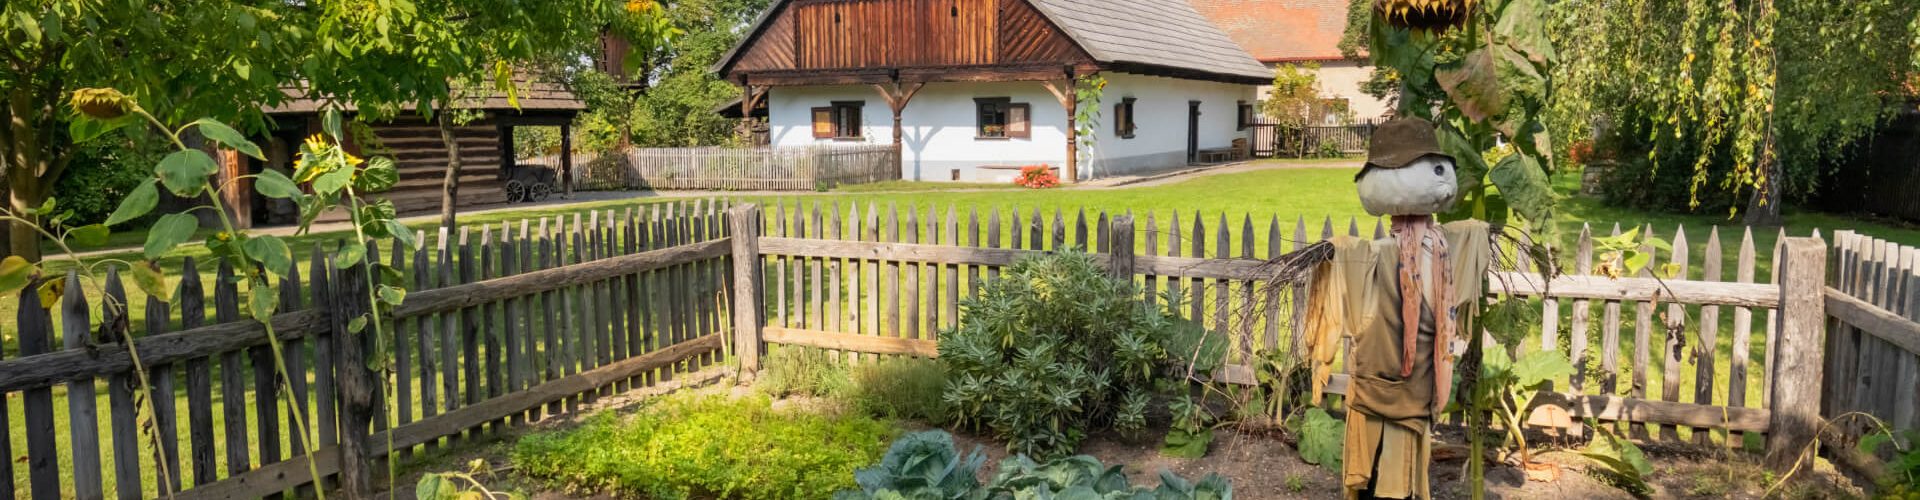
870	34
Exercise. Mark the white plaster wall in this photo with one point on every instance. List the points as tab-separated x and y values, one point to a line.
1342	79
939	135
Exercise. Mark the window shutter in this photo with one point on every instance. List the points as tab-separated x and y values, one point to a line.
1120	119
1017	123
823	123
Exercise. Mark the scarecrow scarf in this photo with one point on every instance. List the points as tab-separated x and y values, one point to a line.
1418	234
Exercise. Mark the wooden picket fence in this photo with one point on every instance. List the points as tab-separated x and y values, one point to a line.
877	280
777	169
506	325
1873	344
531	320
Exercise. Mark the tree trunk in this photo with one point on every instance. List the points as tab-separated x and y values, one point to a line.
1763	209
450	197
24	192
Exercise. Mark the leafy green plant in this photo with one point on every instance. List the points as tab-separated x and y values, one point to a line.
1510	388
461	485
1328	148
1192	429
1902	476
1619	459
1322	438
707	446
901	388
802	371
921	465
925	465
1053	349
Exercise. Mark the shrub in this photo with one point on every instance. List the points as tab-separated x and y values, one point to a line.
926	465
101	174
1054	348
1037	177
802	371
694	446
901	388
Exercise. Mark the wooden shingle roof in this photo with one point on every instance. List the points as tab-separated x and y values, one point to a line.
532	94
1162	33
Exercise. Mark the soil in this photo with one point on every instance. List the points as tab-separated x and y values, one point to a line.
1263	465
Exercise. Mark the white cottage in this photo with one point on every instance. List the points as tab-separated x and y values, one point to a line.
971	90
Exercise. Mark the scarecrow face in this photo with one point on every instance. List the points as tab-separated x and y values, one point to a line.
1425	186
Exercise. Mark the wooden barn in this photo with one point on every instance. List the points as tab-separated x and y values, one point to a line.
975	89
486	149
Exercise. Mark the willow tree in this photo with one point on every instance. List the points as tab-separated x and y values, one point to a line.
1766	94
180	59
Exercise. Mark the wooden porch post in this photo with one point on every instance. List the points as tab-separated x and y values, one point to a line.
750	97
1063	90
1797	365
566	160
897	97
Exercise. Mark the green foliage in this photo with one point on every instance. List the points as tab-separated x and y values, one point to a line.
1322	438
1088	92
461	485
802	371
1053	349
920	465
1295	95
925	466
1620	460
902	388
1739	95
675	90
706	446
1191	432
1509	387
1903	471
101	174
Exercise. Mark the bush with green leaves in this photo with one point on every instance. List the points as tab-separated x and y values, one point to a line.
1054	349
901	388
925	465
707	446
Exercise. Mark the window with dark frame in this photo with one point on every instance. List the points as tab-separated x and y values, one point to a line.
1000	118
1123	125
839	121
1246	115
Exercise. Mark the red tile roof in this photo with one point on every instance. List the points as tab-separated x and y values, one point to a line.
1281	30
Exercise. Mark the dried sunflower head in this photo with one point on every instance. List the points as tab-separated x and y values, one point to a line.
1424	15
101	104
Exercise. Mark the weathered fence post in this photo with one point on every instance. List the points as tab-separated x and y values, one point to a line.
356	398
1797	366
747	317
1120	249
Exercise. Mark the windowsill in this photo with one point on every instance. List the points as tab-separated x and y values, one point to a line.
985	138
1128	136
847	139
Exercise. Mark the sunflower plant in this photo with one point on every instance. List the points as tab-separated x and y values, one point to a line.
325	177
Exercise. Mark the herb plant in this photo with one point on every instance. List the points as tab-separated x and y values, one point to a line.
1052	350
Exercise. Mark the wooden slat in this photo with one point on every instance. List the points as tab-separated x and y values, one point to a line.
1610	341
199	381
1579	323
402	352
43	461
871	344
120	387
300	422
1673	325
83	414
1706	349
233	385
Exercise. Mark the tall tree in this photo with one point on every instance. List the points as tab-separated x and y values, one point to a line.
181	59
1765	93
384	57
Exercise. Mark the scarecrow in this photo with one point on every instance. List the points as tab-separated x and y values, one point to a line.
1401	300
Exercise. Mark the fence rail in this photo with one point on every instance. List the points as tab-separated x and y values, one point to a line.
777	169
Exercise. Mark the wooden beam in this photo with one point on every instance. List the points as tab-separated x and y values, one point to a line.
748	316
881	76
1760	295
41	370
852	342
1798	365
1063	90
473	294
897	97
1872	319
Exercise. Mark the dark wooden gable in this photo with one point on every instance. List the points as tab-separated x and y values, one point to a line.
864	35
